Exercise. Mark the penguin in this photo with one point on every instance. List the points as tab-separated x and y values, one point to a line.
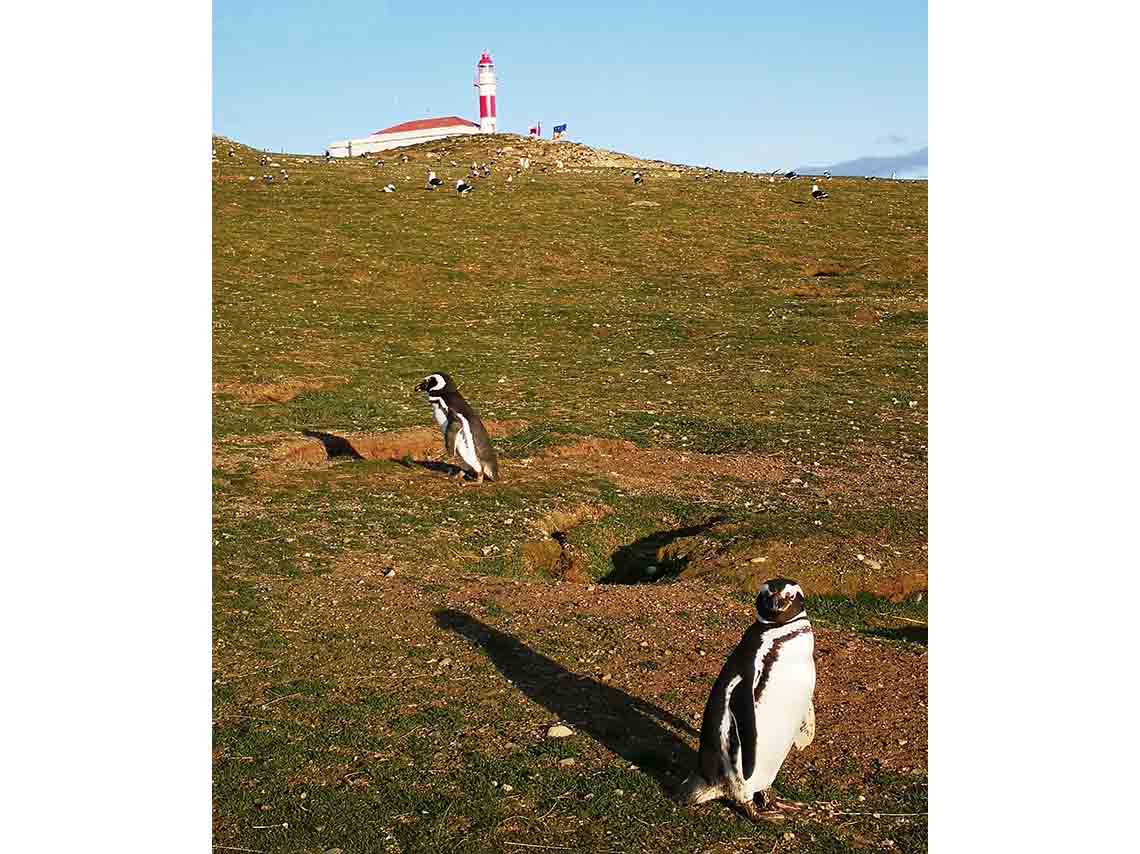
464	435
433	181
817	193
760	705
637	177
462	187
389	188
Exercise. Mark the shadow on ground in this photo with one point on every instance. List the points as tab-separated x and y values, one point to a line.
631	563
913	634
630	727
335	446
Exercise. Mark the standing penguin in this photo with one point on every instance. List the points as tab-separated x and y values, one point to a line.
760	705
464	435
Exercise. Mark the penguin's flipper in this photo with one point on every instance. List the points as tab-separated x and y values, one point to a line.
806	732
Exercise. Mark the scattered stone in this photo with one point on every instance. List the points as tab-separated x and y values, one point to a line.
335	851
760	559
566	763
606	677
507	787
874	564
645	643
445	663
559	731
619	792
788	836
860	557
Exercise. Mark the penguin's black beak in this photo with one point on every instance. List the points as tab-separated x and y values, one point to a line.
422	386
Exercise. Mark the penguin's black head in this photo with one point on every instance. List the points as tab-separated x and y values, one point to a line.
436	383
779	600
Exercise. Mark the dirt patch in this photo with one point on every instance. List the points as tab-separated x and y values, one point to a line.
320	447
667	470
280	392
823	271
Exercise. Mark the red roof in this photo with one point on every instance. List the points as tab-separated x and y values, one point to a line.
428	124
485	59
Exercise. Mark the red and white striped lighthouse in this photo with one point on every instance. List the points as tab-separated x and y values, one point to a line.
485	83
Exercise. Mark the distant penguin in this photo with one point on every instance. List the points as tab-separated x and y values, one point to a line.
817	193
390	188
464	435
433	181
462	187
760	705
637	177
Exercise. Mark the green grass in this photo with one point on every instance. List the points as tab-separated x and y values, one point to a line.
695	327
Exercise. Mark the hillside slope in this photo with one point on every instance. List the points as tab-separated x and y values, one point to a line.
693	384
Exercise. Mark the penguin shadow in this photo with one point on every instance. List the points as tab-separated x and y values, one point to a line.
634	729
335	446
913	634
632	563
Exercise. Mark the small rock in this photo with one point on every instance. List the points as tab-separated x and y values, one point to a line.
559	731
874	564
507	787
446	662
759	560
645	643
606	677
788	836
566	763
862	798
390	573
619	792
912	404
651	570
335	851
859	557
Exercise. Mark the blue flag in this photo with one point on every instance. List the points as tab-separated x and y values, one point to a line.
560	128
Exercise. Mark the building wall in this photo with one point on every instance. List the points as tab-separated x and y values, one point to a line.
385	141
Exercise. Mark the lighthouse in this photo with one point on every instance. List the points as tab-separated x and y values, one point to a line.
485	83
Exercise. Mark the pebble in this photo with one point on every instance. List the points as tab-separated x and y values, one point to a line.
507	787
559	731
335	851
606	677
619	792
445	662
759	560
566	763
645	643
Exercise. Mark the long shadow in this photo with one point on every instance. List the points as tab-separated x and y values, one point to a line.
335	446
628	726
631	562
911	634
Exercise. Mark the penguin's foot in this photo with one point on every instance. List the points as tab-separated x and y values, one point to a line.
753	812
479	477
770	801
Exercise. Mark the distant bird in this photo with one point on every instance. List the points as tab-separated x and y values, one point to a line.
791	173
252	178
464	435
462	187
390	188
760	705
231	152
284	175
637	177
267	178
433	181
486	171
826	173
454	164
771	179
264	161
510	178
817	193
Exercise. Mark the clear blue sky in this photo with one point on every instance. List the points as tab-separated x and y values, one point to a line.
735	85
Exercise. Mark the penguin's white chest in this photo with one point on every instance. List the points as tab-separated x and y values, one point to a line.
465	445
439	412
781	707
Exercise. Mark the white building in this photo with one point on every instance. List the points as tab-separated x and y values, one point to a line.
407	133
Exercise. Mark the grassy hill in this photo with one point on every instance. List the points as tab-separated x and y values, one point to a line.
694	385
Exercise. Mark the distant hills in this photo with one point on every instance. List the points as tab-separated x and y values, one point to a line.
910	165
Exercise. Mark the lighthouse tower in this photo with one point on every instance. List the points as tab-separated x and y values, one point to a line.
485	83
